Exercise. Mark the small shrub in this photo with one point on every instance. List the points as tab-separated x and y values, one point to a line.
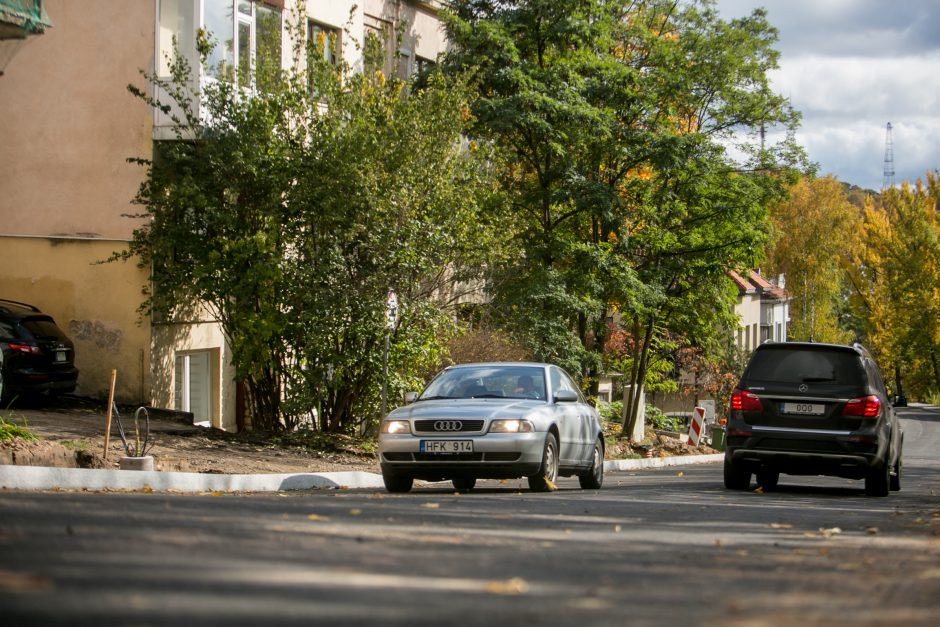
8	431
658	420
611	412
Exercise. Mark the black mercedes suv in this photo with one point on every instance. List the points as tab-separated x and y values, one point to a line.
812	409
35	355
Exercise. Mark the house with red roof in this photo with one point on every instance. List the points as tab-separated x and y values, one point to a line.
763	309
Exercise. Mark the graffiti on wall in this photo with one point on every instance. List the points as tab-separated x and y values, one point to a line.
94	331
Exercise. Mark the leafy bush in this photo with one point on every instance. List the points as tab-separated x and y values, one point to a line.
8	431
611	412
658	420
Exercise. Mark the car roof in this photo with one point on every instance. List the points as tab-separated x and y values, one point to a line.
489	364
19	310
854	348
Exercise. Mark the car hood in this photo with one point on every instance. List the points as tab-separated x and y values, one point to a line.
487	408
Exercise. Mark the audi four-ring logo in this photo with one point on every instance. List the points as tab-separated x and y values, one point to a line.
448	425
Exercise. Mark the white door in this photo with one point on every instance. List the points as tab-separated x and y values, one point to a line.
193	386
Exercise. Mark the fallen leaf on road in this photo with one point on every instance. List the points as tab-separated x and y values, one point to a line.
516	585
430	505
872	531
932	573
679	474
316	517
828	533
780	526
12	581
759	490
355	512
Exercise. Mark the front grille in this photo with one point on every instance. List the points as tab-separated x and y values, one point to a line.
452	457
502	457
427	426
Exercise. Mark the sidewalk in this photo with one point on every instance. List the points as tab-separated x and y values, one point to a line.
43	478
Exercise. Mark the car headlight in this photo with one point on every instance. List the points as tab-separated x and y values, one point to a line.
396	426
511	426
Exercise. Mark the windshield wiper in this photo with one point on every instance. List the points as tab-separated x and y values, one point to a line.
818	379
434	398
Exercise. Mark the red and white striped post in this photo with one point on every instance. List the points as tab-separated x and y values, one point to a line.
696	425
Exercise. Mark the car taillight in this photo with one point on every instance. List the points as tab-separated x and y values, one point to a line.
863	407
24	348
742	400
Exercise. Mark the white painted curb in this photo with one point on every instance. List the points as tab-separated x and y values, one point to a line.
46	478
661	462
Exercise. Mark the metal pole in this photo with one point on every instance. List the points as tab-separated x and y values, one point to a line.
384	377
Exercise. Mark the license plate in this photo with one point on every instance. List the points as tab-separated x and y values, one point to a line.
806	409
60	356
446	446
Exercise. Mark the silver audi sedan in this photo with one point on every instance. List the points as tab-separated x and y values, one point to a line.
493	421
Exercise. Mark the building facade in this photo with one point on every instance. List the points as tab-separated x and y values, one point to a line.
68	126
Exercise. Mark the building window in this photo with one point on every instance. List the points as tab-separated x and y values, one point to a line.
192	377
423	66
324	42
177	24
245	32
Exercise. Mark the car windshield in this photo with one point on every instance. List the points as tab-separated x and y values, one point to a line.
801	365
492	381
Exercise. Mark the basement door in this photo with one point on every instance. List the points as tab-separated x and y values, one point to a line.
193	385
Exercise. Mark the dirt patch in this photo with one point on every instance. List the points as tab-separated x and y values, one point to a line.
46	453
72	436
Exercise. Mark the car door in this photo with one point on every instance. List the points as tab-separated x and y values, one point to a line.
572	423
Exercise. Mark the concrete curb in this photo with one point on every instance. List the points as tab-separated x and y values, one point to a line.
46	478
661	462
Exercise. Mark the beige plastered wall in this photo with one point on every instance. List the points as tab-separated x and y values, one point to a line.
95	304
67	127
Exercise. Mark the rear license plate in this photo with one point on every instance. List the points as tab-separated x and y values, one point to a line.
805	409
447	446
60	356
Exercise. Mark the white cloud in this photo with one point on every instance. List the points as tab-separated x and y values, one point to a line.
851	66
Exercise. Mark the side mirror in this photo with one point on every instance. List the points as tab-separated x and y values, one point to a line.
411	397
566	396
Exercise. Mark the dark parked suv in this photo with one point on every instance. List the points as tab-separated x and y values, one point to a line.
35	355
812	409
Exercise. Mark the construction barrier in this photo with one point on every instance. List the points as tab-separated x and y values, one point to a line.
696	425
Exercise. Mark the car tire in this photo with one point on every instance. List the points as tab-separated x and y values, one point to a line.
544	479
464	484
736	476
894	483
768	479
878	480
397	484
593	479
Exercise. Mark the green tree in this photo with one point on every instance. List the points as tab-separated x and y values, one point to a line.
816	235
896	280
288	213
612	116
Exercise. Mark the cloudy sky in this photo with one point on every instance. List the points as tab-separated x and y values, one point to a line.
852	66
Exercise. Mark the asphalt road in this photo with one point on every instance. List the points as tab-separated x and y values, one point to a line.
651	548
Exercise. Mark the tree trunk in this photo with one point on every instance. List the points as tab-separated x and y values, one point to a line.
641	379
631	382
